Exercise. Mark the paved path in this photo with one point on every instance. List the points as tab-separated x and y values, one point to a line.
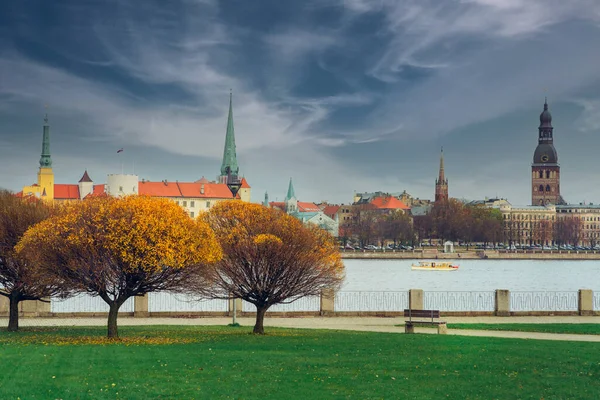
370	324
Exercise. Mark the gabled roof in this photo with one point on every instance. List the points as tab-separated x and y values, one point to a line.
64	191
389	203
245	184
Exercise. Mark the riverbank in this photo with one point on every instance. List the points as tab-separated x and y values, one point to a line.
473	255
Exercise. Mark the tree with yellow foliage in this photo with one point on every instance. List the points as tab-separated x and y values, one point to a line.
269	257
21	280
116	248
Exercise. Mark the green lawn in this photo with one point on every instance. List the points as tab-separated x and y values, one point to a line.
582	329
229	363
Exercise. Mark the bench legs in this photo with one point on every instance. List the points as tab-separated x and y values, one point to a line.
442	329
409	328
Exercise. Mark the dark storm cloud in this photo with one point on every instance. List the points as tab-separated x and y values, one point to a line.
342	95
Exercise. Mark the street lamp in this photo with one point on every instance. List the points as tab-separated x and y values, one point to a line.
234	184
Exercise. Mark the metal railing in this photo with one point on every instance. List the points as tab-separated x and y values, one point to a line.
304	304
543	301
459	301
173	302
346	301
84	303
371	301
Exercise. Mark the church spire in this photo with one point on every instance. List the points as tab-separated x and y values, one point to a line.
45	159
229	164
545	129
441	183
290	192
266	202
441	177
291	203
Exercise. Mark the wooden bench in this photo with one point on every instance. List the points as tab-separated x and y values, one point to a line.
425	317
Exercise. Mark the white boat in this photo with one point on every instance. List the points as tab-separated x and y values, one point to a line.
435	266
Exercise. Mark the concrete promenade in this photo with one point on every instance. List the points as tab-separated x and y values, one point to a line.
369	324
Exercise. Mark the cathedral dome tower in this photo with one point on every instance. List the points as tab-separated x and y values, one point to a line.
545	171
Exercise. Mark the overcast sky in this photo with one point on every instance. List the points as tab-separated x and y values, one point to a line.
341	95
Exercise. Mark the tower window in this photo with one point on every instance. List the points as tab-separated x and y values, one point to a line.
541	174
541	188
547	188
547	174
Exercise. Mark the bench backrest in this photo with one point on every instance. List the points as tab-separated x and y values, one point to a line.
422	313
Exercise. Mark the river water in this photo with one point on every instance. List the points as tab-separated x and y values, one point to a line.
474	275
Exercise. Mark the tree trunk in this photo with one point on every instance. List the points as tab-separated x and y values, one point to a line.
259	328
113	332
13	319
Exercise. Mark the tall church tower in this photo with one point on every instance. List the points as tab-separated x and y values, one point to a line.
229	164
545	171
441	183
44	188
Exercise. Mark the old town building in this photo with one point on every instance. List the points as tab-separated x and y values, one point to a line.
194	197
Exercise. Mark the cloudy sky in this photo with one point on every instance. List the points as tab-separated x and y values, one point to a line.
341	95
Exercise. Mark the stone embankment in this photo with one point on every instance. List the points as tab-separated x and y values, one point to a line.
473	255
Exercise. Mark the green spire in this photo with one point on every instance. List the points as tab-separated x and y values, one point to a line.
266	202
229	157
45	160
290	193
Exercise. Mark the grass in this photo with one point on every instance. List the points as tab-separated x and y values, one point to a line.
581	329
161	362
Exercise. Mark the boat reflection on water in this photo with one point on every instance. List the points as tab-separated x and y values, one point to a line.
434	266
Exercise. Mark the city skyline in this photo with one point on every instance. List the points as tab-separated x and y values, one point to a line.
360	103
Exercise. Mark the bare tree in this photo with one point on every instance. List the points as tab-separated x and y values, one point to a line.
269	257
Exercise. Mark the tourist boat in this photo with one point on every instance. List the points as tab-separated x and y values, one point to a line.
435	266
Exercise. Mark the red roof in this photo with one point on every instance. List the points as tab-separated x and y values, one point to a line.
389	203
244	184
185	189
66	192
330	211
98	190
308	207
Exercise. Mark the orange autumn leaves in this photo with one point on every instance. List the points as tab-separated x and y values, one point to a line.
239	224
140	233
146	234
